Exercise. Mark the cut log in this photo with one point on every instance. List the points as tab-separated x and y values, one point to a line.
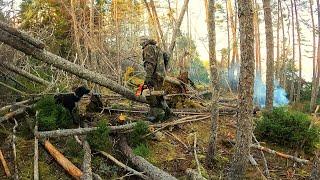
142	164
24	73
127	168
63	161
4	165
23	35
63	64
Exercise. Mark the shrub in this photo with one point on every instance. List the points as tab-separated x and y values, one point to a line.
138	133
288	128
99	139
142	150
51	115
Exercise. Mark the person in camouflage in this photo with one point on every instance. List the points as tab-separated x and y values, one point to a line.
154	62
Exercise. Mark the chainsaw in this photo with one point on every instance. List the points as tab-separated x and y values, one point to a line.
145	91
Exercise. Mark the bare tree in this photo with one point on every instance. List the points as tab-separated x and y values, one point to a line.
270	53
244	121
214	80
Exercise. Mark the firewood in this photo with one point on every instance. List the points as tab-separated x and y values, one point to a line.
4	165
63	161
142	164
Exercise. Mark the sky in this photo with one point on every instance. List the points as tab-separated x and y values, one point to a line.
199	34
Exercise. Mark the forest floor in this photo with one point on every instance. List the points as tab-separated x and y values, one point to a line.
174	153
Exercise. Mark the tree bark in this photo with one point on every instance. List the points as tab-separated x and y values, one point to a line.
244	121
4	165
299	48
68	66
143	165
293	55
63	161
211	151
315	84
24	73
177	27
270	54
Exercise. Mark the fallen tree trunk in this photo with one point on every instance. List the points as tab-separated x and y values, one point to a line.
127	168
143	165
24	46
87	170
23	35
299	160
82	131
63	161
12	114
4	165
24	73
8	107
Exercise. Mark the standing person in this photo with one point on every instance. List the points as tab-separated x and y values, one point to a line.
155	62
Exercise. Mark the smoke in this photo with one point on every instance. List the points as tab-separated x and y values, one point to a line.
259	97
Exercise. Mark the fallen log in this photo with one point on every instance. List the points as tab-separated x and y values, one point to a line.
13	89
63	161
127	168
4	165
23	35
24	46
8	107
24	73
87	170
143	165
12	114
36	156
82	131
296	159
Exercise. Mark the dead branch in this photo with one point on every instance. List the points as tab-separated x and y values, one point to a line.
143	165
120	164
195	153
4	165
16	176
299	160
265	163
255	164
82	131
315	172
63	161
178	139
24	73
24	46
36	155
13	89
194	175
12	114
8	107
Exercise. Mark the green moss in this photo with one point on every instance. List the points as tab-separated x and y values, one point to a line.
142	150
137	136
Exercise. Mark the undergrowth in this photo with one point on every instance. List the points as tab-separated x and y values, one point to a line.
99	139
52	115
288	128
138	140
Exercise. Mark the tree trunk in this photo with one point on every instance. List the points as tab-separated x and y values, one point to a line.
211	152
270	54
277	68
244	121
293	55
156	18
143	165
24	73
65	65
177	27
315	84
283	53
299	48
257	39
228	30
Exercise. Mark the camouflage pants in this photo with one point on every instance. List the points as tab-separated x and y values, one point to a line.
159	109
